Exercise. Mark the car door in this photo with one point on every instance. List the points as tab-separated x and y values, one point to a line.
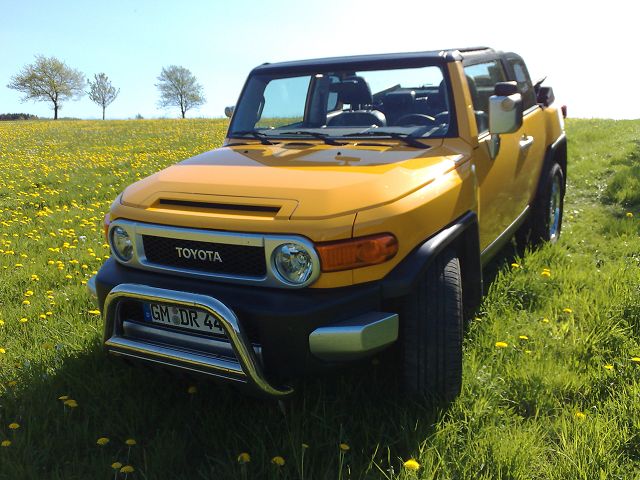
532	135
500	197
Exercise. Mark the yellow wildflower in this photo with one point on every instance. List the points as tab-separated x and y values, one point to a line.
127	469
629	215
23	320
5	443
304	445
567	310
545	320
608	367
545	273
94	312
63	397
71	403
192	390
523	337
102	441
344	447
2	350
502	344
130	441
244	457
278	460
14	426
515	265
635	359
116	465
412	465
580	415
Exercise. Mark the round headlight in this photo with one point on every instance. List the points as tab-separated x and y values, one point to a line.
293	263
121	244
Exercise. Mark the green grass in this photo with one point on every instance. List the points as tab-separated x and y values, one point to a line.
516	416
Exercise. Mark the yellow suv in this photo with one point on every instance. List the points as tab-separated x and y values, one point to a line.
351	208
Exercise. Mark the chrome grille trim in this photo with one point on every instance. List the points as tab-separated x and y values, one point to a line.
269	242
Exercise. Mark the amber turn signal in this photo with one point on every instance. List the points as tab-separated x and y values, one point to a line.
358	252
105	226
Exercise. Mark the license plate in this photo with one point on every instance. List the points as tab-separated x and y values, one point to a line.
182	317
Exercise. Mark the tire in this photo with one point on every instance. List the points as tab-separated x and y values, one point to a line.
432	329
544	223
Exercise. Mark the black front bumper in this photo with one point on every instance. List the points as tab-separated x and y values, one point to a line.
278	320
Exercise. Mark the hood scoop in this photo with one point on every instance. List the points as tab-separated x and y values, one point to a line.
221	206
215	207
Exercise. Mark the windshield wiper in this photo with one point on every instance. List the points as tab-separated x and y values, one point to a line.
410	138
255	134
322	136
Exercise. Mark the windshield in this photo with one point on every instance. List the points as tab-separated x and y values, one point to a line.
345	104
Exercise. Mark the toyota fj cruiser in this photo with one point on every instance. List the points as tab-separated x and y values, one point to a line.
352	207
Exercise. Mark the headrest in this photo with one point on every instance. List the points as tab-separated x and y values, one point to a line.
399	100
353	90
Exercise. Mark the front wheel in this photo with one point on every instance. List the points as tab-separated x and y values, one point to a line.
432	328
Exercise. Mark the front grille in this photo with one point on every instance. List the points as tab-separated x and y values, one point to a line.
205	256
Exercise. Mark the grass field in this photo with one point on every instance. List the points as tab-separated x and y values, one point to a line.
560	401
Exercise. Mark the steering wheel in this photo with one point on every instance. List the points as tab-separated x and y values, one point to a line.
415	119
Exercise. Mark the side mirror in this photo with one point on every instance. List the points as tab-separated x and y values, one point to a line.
505	109
228	111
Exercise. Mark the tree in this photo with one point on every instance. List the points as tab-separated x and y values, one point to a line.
48	79
101	91
179	88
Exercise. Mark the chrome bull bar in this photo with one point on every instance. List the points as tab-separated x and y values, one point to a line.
244	368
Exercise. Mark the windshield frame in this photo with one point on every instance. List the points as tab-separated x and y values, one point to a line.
296	69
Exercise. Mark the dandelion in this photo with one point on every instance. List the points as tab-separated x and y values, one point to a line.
116	465
14	426
243	458
580	415
515	265
344	447
545	320
94	312
5	443
2	351
567	310
23	320
1	323
629	215
63	397
192	390
71	403
545	273
127	469
305	446
26	302
102	441
278	460
635	359
130	441
523	337
502	344
412	465
608	367
12	383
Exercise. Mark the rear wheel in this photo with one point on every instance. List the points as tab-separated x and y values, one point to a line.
432	329
544	223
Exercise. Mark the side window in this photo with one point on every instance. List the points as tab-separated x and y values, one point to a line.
482	78
524	82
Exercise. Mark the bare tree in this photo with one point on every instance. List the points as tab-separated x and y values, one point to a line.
101	91
48	79
179	88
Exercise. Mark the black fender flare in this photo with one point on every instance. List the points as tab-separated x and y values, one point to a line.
556	152
462	236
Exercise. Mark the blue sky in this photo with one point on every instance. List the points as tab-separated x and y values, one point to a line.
580	46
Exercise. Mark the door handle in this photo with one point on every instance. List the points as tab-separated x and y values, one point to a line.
526	141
